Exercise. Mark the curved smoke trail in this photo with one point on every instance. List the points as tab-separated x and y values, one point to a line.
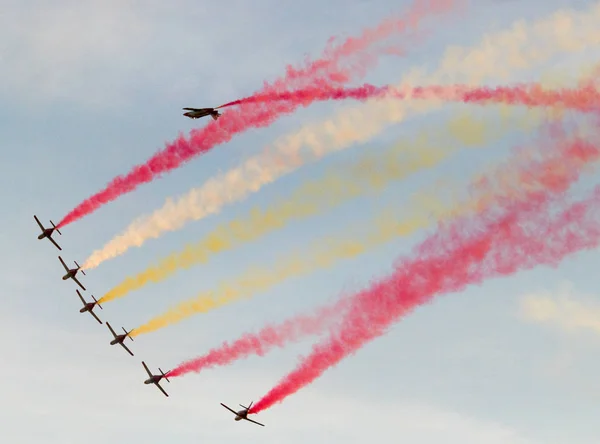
326	70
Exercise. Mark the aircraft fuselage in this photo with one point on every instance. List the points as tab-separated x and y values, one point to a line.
118	340
47	233
202	112
87	307
70	274
153	380
196	115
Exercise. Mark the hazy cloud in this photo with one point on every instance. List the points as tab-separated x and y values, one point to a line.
564	308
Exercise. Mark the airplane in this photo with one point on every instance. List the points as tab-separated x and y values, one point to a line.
242	414
196	113
155	379
89	306
72	272
47	232
120	338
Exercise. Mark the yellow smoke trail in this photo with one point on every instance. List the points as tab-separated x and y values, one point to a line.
499	55
368	175
427	208
323	255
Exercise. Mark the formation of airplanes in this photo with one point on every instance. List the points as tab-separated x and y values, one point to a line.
120	338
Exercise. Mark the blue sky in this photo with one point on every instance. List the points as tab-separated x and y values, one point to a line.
90	88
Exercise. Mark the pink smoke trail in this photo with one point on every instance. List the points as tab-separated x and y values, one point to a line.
324	71
512	236
558	163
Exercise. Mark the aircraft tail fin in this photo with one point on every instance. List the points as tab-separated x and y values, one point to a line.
96	301
127	333
247	408
57	230
215	115
79	268
164	375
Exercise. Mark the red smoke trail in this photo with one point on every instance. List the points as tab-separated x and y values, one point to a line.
260	343
515	235
583	98
327	70
307	96
558	162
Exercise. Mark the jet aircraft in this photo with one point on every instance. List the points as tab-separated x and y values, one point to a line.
196	113
242	414
71	272
120	338
47	232
155	379
89	306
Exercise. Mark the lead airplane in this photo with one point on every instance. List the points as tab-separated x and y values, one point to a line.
72	272
196	113
155	379
47	232
120	338
89	306
242	414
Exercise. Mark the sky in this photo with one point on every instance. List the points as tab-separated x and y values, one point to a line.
91	88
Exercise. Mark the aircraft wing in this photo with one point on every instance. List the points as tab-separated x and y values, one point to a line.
231	410
54	242
94	315
191	109
63	264
38	222
161	389
78	283
125	347
147	369
111	330
80	297
248	419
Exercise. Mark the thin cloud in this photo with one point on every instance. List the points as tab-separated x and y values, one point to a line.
53	50
564	309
